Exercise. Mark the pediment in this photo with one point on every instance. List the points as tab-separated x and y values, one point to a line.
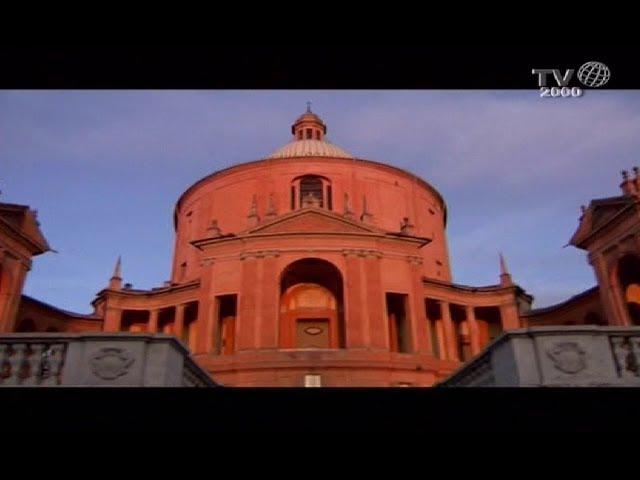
603	215
599	214
22	220
312	220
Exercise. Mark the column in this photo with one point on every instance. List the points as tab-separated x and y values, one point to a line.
353	300
112	319
474	331
153	321
178	322
13	276
450	339
376	302
420	340
270	301
246	331
207	314
431	324
509	316
608	291
620	304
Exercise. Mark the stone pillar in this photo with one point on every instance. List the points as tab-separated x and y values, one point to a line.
353	299
178	322
13	276
419	336
430	334
207	314
246	322
450	339
153	321
375	300
618	299
270	301
474	331
509	316
608	291
112	319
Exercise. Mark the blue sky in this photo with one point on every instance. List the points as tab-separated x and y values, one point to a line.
104	169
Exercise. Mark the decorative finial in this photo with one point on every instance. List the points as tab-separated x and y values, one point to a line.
214	229
309	107
347	206
271	207
252	216
366	215
628	185
406	227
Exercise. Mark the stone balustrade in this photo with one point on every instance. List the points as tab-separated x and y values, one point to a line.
102	359
580	356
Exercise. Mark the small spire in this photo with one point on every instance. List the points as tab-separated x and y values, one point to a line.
505	276
347	206
252	216
309	107
115	283
117	271
272	211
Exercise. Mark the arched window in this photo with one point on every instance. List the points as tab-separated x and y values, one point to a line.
312	191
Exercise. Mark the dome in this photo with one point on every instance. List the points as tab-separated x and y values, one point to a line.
310	148
309	139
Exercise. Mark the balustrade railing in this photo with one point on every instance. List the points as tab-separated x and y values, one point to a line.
31	363
100	359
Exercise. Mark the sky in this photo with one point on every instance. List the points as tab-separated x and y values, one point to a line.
105	168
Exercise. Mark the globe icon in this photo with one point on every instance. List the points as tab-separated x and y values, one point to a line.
594	74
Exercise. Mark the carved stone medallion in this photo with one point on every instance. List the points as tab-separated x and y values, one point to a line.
110	363
568	357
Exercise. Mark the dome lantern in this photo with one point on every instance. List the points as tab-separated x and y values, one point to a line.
309	126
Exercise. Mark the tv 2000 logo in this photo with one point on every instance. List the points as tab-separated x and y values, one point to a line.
591	74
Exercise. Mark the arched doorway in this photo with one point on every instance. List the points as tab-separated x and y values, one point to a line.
311	312
629	277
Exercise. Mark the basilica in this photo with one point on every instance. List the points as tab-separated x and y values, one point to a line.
313	267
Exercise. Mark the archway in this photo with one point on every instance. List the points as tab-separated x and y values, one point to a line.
629	278
311	307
